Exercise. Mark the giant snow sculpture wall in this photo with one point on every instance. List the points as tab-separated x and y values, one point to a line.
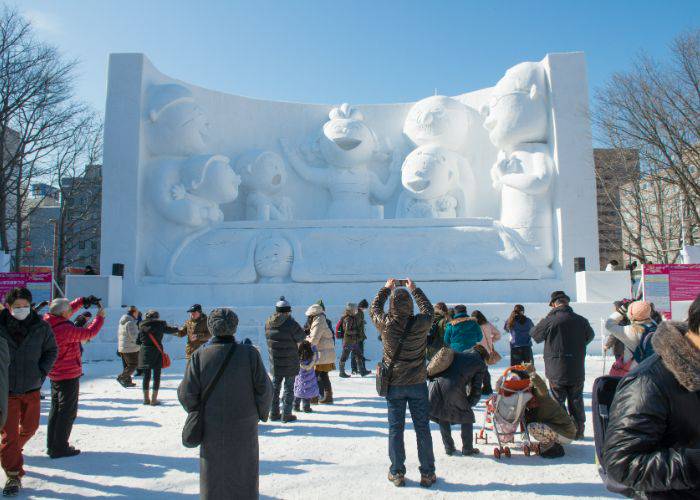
222	199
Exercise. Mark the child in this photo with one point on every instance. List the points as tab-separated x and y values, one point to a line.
305	384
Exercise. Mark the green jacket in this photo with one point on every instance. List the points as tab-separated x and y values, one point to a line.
548	411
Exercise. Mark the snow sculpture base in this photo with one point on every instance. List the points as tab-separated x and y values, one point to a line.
351	251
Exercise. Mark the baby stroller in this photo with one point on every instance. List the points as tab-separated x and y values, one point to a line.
505	414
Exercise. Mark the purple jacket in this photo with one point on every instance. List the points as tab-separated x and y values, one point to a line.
305	384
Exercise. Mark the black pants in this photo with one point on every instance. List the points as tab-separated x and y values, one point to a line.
64	409
446	433
353	361
278	383
520	355
147	379
357	356
324	384
486	386
570	397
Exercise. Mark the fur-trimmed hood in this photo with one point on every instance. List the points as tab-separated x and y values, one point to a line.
678	354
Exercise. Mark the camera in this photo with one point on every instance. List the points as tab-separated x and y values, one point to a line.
401	282
90	301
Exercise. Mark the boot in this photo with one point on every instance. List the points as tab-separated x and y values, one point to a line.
342	373
363	370
122	382
12	486
154	399
146	399
427	480
327	398
297	405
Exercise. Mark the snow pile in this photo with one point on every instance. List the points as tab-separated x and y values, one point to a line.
340	451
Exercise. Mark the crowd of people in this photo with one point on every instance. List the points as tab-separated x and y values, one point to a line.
435	364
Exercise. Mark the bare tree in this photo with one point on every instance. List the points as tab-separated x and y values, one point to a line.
37	112
654	108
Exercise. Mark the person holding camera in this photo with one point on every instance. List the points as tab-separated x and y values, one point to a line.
66	372
401	330
633	326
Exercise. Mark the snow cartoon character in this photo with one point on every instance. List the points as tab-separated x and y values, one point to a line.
347	146
264	176
517	119
187	195
430	176
439	120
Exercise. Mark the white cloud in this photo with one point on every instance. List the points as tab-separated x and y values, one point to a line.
43	22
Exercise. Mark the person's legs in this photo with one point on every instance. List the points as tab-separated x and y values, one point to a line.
288	396
156	379
328	388
396	406
306	405
145	385
467	436
549	441
486	388
276	389
576	408
130	360
559	393
515	356
527	356
11	451
419	406
53	417
354	367
446	434
64	409
29	418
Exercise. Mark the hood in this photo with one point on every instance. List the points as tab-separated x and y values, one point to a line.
401	303
678	355
314	310
462	318
278	319
126	319
222	322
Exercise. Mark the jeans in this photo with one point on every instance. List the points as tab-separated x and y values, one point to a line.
520	355
353	360
287	397
446	433
22	422
572	395
64	409
416	396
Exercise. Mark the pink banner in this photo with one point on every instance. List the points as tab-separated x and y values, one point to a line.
38	283
668	283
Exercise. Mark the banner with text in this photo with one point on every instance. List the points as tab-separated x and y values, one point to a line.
668	283
37	283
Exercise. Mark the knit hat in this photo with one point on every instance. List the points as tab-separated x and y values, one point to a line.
314	310
363	304
282	306
222	322
558	295
351	307
59	306
639	311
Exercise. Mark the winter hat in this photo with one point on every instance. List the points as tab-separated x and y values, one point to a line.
59	306
351	307
195	308
152	314
363	304
441	361
314	310
558	295
160	97
222	322
461	309
282	306
639	311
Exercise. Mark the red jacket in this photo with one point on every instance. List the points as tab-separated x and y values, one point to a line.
68	337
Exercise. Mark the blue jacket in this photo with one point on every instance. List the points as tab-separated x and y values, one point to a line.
520	333
462	333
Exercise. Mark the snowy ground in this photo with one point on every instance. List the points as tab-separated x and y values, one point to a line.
133	451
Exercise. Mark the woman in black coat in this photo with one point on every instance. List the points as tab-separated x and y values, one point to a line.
652	443
150	357
454	392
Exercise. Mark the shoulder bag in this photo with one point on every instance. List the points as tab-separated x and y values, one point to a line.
193	430
384	371
164	355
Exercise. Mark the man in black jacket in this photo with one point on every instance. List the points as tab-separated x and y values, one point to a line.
652	443
284	335
407	385
565	335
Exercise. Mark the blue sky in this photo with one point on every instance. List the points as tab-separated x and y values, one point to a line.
355	51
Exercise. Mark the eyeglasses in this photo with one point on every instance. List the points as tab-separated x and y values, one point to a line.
485	109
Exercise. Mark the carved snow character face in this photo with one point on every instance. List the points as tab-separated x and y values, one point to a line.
211	178
346	140
439	120
262	171
175	124
428	172
518	111
273	258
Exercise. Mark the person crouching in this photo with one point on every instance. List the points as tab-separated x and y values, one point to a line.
456	379
66	372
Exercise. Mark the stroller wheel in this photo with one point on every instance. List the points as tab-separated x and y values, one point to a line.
506	452
526	450
497	453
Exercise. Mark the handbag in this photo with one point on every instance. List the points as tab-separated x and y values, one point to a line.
494	358
193	430
383	370
164	355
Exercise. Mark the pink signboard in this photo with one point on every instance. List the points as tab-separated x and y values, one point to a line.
668	283
38	283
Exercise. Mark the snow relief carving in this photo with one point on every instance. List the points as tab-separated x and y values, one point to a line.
264	178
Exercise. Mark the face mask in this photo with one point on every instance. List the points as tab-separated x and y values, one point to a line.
21	313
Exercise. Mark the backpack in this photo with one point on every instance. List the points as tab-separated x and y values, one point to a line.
645	349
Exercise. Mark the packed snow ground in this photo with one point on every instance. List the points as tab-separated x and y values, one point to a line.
340	451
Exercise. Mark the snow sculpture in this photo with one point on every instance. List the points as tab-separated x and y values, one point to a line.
439	120
185	188
347	146
273	258
264	176
517	118
430	176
